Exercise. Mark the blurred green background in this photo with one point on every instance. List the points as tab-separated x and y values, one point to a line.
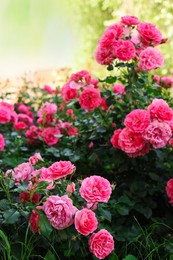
44	34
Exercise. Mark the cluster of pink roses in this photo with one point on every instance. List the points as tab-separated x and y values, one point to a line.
165	82
153	126
120	42
84	88
60	210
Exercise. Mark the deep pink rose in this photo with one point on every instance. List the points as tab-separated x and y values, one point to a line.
90	98
137	120
20	126
68	93
119	88
118	30
124	50
160	110
59	211
26	196
49	135
85	221
101	244
129	20
48	89
2	142
158	134
114	138
25	118
169	190
149	34
95	189
33	132
104	55
47	113
22	172
150	58
130	142
61	169
141	152
34	221
5	115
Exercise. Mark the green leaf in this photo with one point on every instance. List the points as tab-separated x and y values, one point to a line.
42	185
11	216
106	214
130	257
4	204
7	244
113	256
122	210
45	227
50	256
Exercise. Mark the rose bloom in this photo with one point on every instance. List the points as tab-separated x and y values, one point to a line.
42	174
119	88
48	89
33	132
49	137
25	118
171	142
130	142
5	115
34	221
95	189
2	142
141	152
68	93
118	30
24	109
124	50
104	55
70	188
82	75
85	221
101	244
25	196
20	126
69	112
137	120
61	169
22	172
160	110
169	190
103	104
59	211
158	134
46	113
149	34
35	158
166	82
90	99
129	20
72	131
115	137
150	58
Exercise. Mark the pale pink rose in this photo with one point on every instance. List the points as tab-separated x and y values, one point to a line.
149	34
59	211
92	206
169	190
70	188
90	99
141	152
158	134
22	172
20	126
82	75
130	142
119	88
101	244
150	58
115	137
35	158
137	120
160	110
68	93
76	85
25	118
95	189
49	135
124	50
48	89
2	142
85	221
5	115
129	20
61	169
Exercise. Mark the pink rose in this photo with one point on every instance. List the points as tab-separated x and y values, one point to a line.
85	221
158	134
90	99
104	55
95	189
5	115
150	59
69	112
33	132
34	221
47	113
160	110
169	190
137	120
59	211
141	152
20	126
101	244
124	50
48	89
22	172
49	135
149	34
129	20
2	142
119	88
70	188
130	142
115	138
68	93
35	158
42	174
61	169
25	118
